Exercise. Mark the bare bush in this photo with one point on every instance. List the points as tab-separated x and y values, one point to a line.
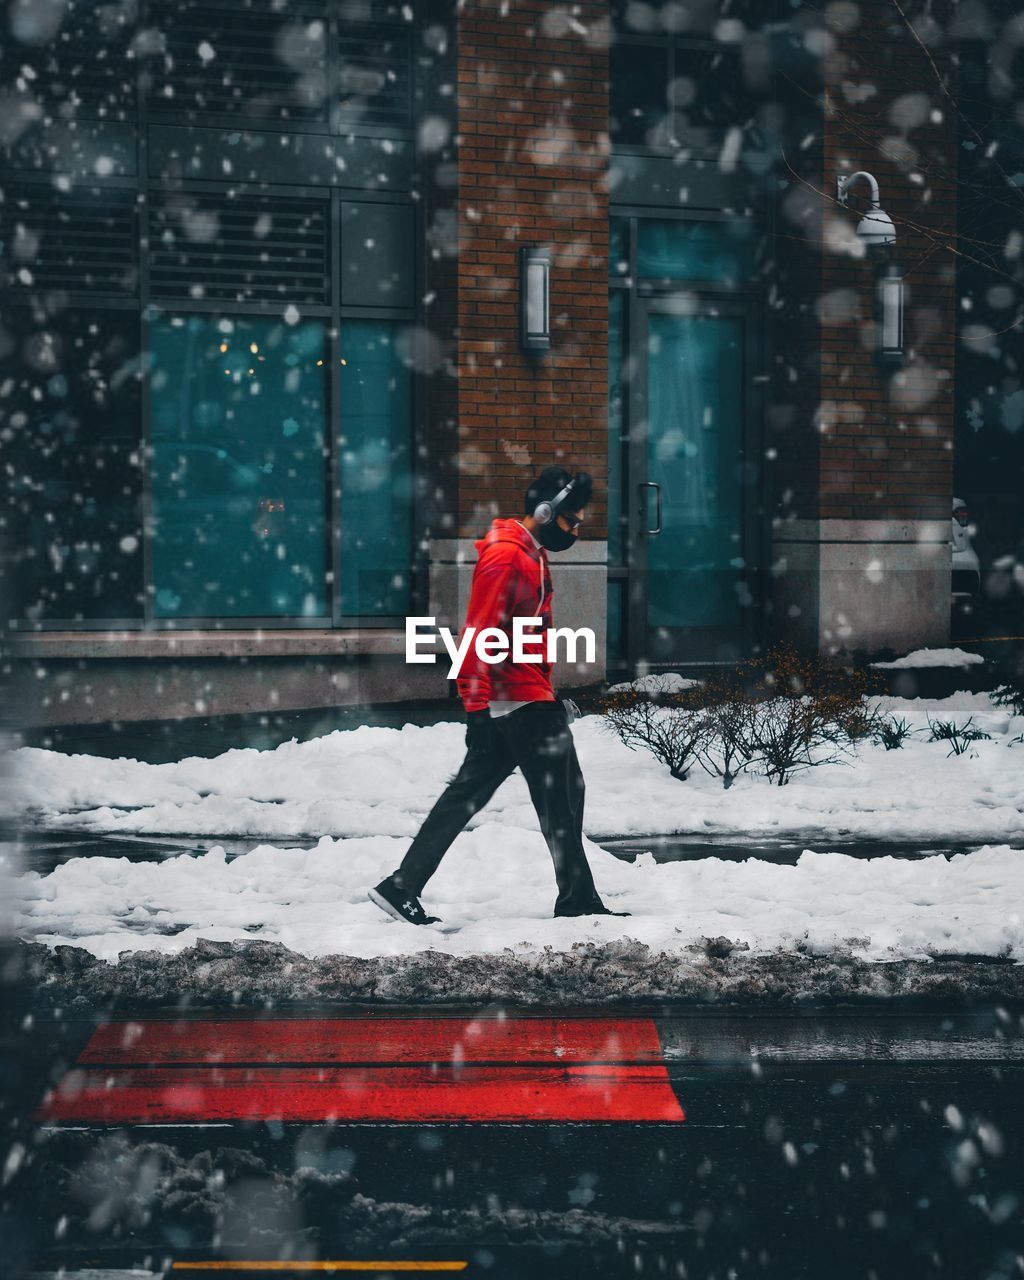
788	735
728	746
807	712
775	715
671	726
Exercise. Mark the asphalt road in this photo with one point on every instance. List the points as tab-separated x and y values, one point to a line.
816	1143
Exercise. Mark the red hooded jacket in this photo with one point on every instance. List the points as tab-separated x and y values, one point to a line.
511	580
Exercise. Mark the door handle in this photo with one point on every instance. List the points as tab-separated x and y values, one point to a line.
649	484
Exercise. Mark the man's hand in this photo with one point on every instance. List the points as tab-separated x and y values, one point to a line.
479	730
572	711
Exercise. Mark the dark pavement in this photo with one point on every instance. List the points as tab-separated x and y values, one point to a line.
43	850
815	1142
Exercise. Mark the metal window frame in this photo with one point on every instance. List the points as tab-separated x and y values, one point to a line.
397	315
671	44
335	122
145	186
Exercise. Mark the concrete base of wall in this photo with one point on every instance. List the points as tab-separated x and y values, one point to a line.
59	692
844	586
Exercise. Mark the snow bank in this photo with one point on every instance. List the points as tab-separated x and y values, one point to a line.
495	891
382	782
257	1204
657	682
364	792
264	975
931	658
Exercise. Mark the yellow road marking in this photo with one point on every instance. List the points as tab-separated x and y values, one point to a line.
319	1266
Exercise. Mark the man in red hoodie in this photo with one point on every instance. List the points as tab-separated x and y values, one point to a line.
513	717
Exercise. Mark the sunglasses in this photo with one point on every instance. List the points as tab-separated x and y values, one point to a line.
572	522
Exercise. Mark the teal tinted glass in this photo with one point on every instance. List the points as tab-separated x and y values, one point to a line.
238	471
694	443
722	252
376	471
618	248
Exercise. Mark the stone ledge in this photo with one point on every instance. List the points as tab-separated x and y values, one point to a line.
205	644
877	532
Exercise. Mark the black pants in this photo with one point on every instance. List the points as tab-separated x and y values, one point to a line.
537	739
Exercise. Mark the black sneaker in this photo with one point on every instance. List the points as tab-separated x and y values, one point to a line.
599	910
400	903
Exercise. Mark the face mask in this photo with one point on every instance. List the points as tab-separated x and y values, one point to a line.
552	537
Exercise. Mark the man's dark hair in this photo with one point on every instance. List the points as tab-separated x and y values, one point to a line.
550	483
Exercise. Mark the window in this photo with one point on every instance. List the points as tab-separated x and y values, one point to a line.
639	89
719	251
676	94
85	241
682	78
237	61
77	56
277	62
238	468
74	480
240	514
375	470
210	402
225	247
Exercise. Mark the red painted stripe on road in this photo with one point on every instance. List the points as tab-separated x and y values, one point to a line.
391	1040
417	1094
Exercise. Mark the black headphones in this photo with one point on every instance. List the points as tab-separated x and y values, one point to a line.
545	512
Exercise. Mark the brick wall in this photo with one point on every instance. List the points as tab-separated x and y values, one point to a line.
886	438
794	334
532	166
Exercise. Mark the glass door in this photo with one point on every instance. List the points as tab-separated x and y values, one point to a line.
691	488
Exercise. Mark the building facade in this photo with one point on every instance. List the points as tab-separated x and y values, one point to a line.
265	384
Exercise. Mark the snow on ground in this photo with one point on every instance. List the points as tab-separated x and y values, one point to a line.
365	791
495	890
931	658
656	682
382	782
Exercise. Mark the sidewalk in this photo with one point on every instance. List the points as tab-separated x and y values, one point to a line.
880	875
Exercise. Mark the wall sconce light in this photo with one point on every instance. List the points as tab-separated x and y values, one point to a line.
889	314
534	299
878	236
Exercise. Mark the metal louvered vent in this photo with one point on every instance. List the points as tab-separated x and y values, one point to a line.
84	241
374	75
238	61
241	250
79	61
